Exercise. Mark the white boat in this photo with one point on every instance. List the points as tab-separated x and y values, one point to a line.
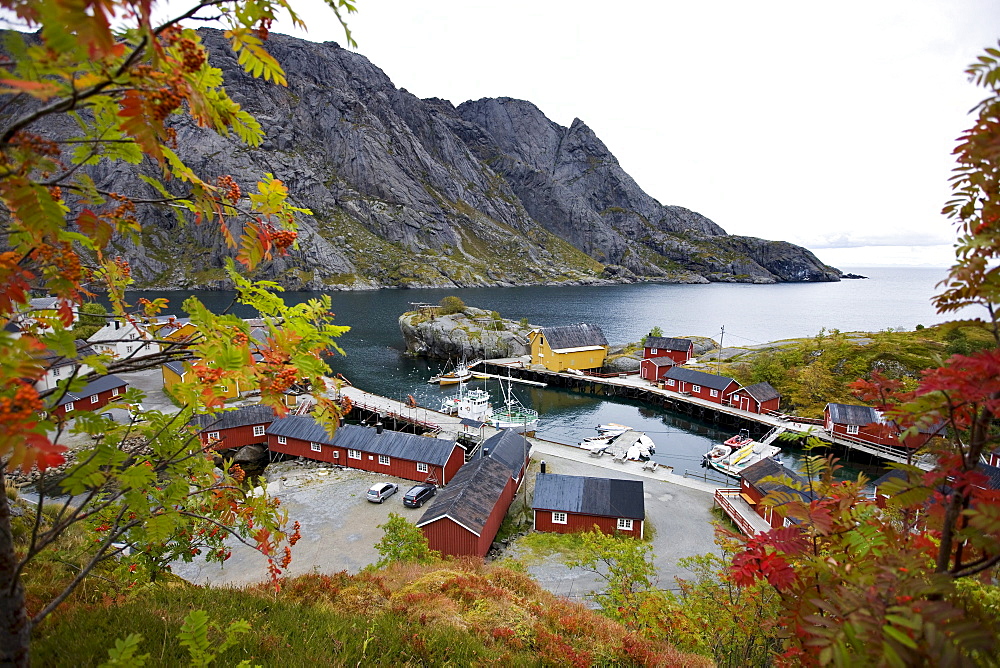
741	458
612	429
469	404
513	415
595	441
459	374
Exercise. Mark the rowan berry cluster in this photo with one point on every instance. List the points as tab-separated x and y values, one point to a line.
20	406
282	239
125	211
264	28
193	56
62	257
230	187
163	101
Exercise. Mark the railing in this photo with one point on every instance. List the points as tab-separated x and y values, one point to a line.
898	454
721	497
381	410
616	374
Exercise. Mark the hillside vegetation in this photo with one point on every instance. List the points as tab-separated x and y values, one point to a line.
809	373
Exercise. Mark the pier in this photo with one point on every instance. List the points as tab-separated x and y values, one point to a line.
631	386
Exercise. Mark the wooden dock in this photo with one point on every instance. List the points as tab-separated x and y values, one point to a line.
634	387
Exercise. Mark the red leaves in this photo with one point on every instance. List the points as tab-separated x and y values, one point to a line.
762	558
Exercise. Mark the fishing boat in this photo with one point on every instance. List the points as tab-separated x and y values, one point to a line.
513	415
741	458
459	374
469	404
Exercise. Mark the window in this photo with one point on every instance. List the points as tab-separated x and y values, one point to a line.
258	430
696	388
714	393
852	429
316	447
336	455
69	406
383	459
624	524
94	398
282	440
354	454
421	467
115	391
558	518
56	371
213	436
670	382
128	349
652	351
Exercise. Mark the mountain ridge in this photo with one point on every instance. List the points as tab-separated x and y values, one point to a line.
406	192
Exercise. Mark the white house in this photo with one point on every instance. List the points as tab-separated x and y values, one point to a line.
58	367
124	340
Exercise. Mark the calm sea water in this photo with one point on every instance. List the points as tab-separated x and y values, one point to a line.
889	298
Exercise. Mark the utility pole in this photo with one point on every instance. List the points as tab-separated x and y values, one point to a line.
718	361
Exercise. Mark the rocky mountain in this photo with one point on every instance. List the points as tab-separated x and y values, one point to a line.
417	193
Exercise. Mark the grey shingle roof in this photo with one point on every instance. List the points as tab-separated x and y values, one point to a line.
755	474
668	343
301	427
574	336
849	414
102	384
366	439
176	367
709	380
52	359
661	361
762	392
509	448
471	496
241	417
992	474
395	444
603	497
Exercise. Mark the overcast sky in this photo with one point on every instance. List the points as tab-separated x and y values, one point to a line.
826	124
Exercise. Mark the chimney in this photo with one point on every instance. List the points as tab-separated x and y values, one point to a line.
543	467
378	427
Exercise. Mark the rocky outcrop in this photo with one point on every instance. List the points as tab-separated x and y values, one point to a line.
418	193
472	333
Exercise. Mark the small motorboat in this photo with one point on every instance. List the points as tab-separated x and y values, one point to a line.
459	374
612	429
740	439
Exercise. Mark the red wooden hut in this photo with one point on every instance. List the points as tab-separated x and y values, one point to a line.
655	368
419	458
569	503
464	518
235	428
765	476
756	398
707	386
864	423
678	350
93	396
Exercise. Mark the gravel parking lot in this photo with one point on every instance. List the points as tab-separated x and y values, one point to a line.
339	526
681	520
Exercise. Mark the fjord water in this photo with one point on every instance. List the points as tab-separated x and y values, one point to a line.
751	314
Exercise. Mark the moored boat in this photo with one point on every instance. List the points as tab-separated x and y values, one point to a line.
740	439
513	415
741	458
459	374
469	404
612	429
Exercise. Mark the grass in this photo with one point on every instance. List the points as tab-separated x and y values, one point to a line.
459	612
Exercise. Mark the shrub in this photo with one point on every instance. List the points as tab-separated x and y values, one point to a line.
451	304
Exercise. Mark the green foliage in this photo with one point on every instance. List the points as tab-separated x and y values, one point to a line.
523	322
451	304
403	542
93	316
624	564
712	615
194	636
656	331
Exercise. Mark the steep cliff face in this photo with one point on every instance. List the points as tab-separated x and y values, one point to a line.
417	193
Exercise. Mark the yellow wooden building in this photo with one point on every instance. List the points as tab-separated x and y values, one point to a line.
581	347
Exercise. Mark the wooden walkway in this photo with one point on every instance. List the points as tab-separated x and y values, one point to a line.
633	387
741	512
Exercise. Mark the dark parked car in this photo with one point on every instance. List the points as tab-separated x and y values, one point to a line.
418	494
381	491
